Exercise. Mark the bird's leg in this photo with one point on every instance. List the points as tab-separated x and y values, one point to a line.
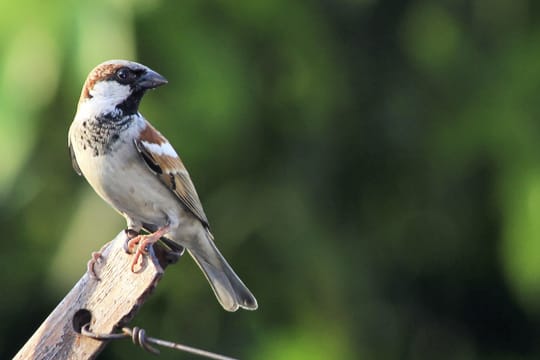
96	257
130	235
144	241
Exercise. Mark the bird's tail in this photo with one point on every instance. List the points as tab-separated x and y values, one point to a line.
228	288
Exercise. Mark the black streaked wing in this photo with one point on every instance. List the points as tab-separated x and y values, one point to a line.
172	172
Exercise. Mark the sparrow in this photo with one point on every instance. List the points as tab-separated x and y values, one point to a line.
135	170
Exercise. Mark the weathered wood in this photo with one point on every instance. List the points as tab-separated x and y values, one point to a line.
112	302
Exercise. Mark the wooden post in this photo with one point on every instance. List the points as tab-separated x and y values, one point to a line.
107	304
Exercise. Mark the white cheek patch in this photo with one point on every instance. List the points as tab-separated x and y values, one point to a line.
105	96
110	90
161	149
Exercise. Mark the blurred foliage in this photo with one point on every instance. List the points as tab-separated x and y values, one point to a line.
371	168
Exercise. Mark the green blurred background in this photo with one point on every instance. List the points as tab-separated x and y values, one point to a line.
371	168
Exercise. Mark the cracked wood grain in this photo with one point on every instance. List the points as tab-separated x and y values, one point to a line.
108	304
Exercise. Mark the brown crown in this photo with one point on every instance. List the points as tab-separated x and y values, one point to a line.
101	72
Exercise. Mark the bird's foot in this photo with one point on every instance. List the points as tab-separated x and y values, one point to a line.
143	241
96	257
130	235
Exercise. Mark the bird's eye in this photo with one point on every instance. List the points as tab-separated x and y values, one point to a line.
124	75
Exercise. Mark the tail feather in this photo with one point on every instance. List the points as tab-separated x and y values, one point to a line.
227	286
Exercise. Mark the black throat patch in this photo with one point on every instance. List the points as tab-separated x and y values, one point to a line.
130	106
100	134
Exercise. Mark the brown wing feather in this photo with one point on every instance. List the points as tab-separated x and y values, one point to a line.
172	172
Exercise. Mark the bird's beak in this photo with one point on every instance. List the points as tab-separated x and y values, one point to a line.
151	80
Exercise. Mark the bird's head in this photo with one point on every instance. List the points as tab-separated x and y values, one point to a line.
117	87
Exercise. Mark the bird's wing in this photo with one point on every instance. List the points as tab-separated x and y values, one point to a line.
163	161
74	159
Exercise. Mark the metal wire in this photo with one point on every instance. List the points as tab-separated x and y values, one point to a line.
139	337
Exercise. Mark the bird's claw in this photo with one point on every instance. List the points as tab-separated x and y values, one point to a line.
141	251
129	245
143	242
91	265
96	257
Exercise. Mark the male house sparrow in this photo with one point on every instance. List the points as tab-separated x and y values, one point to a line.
135	169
